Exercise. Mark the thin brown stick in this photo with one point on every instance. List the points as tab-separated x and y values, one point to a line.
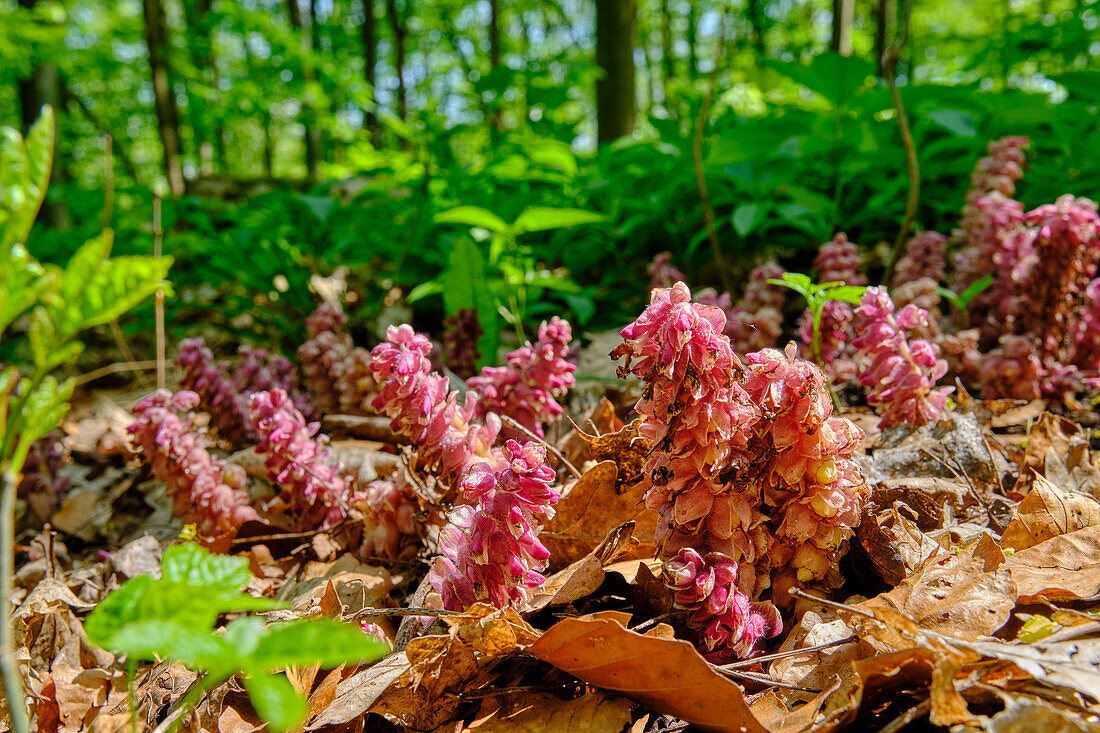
763	680
405	612
512	423
158	240
697	153
790	653
917	711
116	368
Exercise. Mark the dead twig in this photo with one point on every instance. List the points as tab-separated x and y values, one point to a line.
512	423
790	653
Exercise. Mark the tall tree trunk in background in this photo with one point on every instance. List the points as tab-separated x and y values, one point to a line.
201	50
494	59
668	64
320	141
884	28
843	14
398	26
615	93
756	20
370	68
692	39
44	86
164	96
308	117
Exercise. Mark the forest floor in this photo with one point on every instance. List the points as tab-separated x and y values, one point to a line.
971	596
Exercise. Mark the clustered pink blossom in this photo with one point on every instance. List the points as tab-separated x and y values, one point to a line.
839	260
1013	369
925	257
204	489
1086	334
490	549
999	171
528	387
225	395
731	625
228	408
324	358
422	406
460	338
1059	266
389	523
900	374
662	273
747	460
298	460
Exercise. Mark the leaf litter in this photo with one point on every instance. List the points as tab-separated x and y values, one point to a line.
972	602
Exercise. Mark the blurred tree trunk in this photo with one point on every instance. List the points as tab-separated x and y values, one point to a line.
692	39
44	86
201	49
370	68
399	32
884	26
756	20
843	14
615	93
497	120
312	136
667	62
164	96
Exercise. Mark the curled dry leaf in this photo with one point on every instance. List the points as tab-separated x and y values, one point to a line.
1057	449
583	577
425	693
964	592
1048	512
602	419
591	508
539	713
893	543
667	675
1067	566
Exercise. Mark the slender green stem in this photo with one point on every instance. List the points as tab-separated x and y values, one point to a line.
816	308
13	682
131	699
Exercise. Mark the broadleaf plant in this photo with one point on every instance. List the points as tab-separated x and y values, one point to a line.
92	290
173	617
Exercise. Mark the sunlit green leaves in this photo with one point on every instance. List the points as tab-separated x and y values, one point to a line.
24	176
172	617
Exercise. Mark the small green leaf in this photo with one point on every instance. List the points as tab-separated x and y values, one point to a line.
541	218
276	700
190	564
314	641
155	638
747	217
424	290
473	216
847	293
971	292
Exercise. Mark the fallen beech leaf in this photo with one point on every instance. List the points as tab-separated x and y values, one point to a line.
1057	449
948	706
894	543
954	593
1067	566
537	713
358	693
602	419
1048	512
1026	715
583	577
666	675
590	509
440	668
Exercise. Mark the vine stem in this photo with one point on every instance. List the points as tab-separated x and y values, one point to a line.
13	682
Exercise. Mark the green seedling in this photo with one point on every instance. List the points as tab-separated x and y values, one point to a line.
173	617
962	300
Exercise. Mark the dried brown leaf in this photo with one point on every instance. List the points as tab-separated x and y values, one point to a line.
1067	566
540	713
955	593
662	674
590	509
583	577
1048	512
